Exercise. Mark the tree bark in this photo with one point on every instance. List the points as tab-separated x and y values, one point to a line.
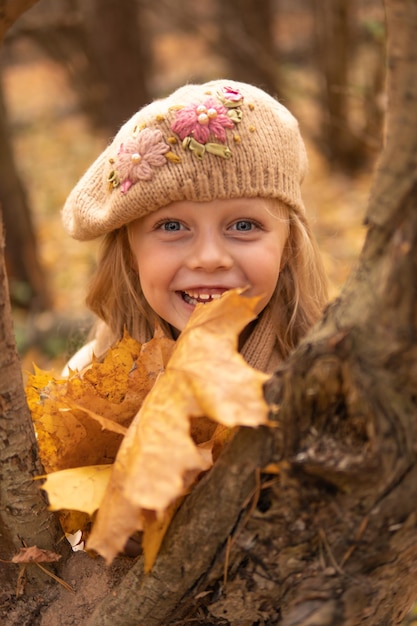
197	534
246	30
24	519
22	255
336	42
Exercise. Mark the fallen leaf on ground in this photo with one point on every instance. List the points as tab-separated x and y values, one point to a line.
33	554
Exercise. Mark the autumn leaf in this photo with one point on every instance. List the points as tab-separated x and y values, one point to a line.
104	422
74	523
81	420
205	377
33	554
37	556
154	529
77	489
205	392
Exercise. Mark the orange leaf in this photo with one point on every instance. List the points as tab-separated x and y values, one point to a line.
154	530
81	420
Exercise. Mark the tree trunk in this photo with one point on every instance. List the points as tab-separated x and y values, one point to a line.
246	30
24	519
10	10
103	47
22	257
118	37
336	43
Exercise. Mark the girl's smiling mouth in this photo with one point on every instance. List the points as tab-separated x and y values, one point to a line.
196	296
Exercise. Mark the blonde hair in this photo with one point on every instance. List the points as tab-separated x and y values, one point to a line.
302	288
116	297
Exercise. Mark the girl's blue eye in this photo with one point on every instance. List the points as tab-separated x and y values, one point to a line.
244	225
170	226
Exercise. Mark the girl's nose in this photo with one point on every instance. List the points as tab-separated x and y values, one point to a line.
209	253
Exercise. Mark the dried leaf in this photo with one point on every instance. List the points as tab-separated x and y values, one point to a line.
77	489
105	423
81	420
74	522
228	389
33	554
154	530
205	377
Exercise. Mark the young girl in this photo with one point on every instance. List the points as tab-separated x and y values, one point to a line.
199	193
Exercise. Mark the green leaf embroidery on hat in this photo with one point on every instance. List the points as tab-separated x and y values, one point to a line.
195	146
219	150
199	149
235	115
113	179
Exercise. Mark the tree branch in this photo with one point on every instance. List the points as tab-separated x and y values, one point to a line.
395	175
23	513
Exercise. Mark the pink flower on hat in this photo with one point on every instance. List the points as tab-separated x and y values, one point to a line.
200	120
139	155
231	95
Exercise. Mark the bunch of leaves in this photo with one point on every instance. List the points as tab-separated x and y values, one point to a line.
126	438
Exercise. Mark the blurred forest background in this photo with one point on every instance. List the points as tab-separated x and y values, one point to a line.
73	70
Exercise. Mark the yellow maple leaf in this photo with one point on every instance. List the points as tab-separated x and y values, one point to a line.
205	377
77	489
82	419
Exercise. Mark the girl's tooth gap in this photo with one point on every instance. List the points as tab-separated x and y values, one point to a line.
199	298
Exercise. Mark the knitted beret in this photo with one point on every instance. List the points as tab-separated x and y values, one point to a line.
218	140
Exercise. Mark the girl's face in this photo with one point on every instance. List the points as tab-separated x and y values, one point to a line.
190	252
